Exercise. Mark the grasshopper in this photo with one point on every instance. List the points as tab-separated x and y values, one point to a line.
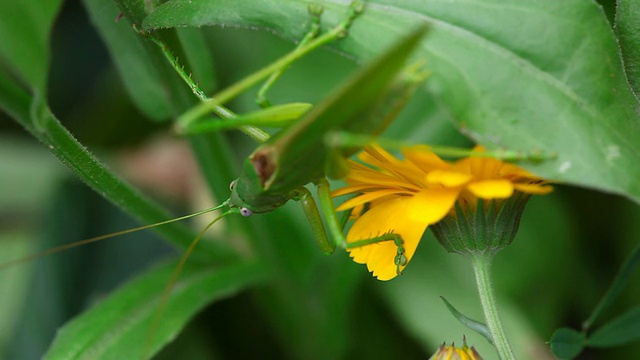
277	170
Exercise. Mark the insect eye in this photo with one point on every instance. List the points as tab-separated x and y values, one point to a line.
232	185
245	212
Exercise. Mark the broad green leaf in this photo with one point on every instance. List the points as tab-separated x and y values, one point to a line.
24	40
621	330
628	31
118	327
14	100
567	343
512	74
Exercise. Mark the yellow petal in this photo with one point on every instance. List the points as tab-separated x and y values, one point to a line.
404	170
514	170
407	216
482	168
353	189
367	197
424	158
486	168
380	180
378	157
448	178
491	189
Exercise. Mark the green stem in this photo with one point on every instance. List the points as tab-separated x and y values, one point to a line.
482	269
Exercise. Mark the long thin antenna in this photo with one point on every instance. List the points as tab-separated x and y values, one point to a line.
172	282
72	245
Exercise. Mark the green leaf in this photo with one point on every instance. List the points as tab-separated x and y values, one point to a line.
474	325
24	40
567	343
619	331
14	100
118	327
628	31
504	81
619	283
132	55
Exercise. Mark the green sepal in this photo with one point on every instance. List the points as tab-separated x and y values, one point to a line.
490	227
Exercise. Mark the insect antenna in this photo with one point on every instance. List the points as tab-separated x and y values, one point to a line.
75	244
174	277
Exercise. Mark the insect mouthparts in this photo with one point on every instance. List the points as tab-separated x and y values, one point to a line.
263	164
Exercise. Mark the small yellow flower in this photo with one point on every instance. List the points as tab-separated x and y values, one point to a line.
406	196
454	353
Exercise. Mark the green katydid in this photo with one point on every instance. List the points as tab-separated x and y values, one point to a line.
277	171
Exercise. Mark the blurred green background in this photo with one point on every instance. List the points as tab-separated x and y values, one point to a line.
569	248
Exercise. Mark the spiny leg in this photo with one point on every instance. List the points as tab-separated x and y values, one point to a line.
315	220
315	10
222	97
223	112
336	228
276	116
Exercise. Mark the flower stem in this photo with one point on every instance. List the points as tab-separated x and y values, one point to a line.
482	269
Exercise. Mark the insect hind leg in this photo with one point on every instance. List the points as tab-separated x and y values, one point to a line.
315	11
400	260
335	228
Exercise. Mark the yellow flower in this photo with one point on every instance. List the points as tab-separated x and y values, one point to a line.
406	196
454	353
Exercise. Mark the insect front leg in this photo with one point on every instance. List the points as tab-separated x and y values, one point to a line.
315	220
201	110
276	116
336	229
315	10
